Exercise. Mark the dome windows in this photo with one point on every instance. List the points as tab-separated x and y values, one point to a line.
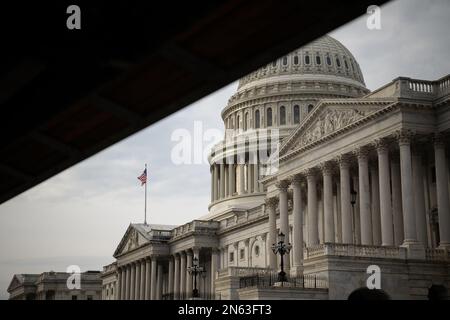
257	119
274	64
296	114
285	61
328	60
296	60
346	64
245	121
318	60
238	120
282	115
338	62
310	108
307	59
269	117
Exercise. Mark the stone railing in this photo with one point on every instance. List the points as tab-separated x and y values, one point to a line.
244	271
195	226
437	254
350	250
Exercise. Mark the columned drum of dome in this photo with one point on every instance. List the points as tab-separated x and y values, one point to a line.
271	102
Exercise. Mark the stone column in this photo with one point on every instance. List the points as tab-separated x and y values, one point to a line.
159	281
364	197
442	192
148	279
241	179
214	264
182	275
338	213
387	236
297	212
222	181
154	265
212	182
346	206
216	183
137	286
313	227
250	187
119	284
407	188
397	211
272	238
230	179
188	274
171	276
375	193
327	172
256	177
284	218
176	280
142	284
132	280
419	198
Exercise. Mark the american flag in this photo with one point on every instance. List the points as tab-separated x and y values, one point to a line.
143	177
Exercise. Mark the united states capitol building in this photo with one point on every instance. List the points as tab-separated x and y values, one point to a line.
352	178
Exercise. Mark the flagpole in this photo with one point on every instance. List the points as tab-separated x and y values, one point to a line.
145	205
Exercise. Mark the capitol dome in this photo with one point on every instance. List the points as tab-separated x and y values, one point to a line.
324	58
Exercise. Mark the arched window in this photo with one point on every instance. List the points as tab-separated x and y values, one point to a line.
295	59
237	122
274	64
328	60
310	107
257	120
245	121
232	123
318	60
296	114
282	115
307	61
338	62
285	61
346	64
269	117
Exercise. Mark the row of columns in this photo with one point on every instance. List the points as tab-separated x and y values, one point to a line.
390	200
230	179
181	280
140	280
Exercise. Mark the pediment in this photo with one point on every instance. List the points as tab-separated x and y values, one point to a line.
326	120
130	241
15	283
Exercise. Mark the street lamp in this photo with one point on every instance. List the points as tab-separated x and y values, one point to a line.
195	270
282	249
353	195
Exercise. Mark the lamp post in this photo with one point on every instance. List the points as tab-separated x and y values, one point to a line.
195	270
353	195
282	249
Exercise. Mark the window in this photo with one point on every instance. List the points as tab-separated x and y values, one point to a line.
295	59
231	256
257	250
310	107
76	297
269	117
296	114
338	62
318	60
346	64
245	120
237	122
282	115
307	59
257	119
285	61
242	254
328	60
232	123
274	64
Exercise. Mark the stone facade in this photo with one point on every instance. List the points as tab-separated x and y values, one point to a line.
53	286
335	141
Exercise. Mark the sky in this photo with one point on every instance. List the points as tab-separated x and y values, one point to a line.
79	216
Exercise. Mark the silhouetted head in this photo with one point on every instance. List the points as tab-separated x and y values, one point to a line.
366	294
